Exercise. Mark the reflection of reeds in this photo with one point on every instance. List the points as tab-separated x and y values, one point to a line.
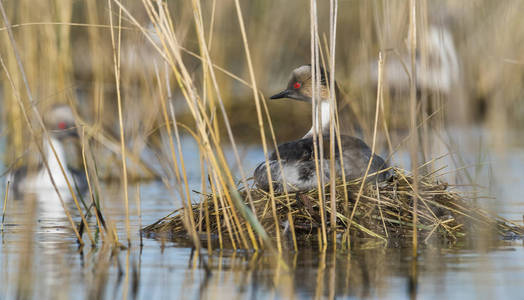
4	207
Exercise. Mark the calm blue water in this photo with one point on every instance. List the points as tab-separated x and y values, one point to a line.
40	258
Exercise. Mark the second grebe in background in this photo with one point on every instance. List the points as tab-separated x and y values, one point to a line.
60	124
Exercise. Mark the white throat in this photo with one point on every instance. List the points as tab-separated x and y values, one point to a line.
54	165
322	116
49	202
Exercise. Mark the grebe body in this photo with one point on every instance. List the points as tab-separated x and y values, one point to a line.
297	166
36	180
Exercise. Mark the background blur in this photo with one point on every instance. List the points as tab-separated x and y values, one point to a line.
66	49
470	75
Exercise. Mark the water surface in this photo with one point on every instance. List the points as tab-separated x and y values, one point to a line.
39	256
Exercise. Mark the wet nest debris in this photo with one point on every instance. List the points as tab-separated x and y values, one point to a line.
384	211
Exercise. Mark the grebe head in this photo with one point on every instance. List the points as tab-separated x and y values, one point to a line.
300	86
60	122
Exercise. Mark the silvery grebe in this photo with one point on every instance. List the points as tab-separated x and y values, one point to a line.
26	180
297	157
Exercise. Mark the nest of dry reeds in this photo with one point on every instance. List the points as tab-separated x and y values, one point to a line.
383	211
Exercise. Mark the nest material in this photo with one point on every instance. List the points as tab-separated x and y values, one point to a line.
384	211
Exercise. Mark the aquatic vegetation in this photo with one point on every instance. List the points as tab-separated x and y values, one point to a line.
384	212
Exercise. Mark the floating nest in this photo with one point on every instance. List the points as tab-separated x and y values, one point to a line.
383	211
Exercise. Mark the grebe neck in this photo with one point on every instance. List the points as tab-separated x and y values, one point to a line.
321	119
53	163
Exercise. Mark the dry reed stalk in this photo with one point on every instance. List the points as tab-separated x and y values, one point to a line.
174	160
413	116
164	109
198	20
381	214
292	227
375	126
225	209
204	202
334	116
94	43
333	11
260	119
116	65
182	164
424	100
139	211
177	136
71	24
284	182
91	192
97	190
238	230
215	203
344	182
317	153
202	122
207	81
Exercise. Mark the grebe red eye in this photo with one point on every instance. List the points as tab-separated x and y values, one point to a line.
296	85
62	125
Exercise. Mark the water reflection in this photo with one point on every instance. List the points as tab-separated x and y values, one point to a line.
40	258
377	273
50	265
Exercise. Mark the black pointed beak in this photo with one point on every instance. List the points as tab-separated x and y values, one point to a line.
73	132
283	94
70	132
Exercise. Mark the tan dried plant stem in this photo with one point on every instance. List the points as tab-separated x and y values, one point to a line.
333	10
231	184
91	192
225	168
172	54
174	159
375	127
413	115
318	153
260	122
280	166
116	65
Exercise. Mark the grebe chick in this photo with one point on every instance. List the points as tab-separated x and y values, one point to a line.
297	157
